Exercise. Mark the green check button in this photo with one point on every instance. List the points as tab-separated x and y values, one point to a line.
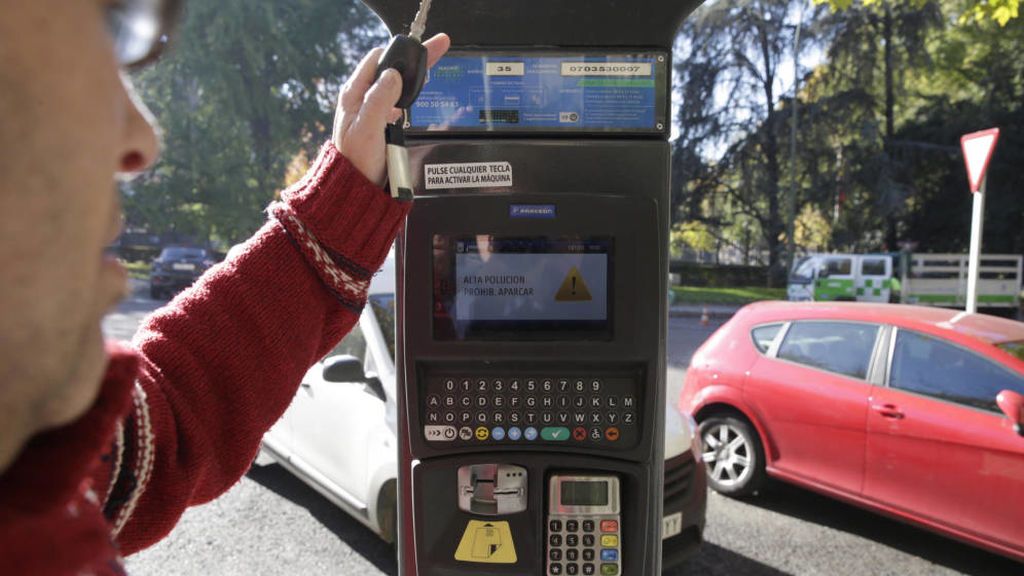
556	433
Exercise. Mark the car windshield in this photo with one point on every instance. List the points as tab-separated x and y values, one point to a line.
182	254
1015	348
384	309
803	271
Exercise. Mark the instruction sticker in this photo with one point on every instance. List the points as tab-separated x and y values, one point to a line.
487	543
467	175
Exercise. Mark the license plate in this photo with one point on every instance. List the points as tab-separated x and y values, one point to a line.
180	266
671	525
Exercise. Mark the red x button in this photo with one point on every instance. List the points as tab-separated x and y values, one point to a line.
579	434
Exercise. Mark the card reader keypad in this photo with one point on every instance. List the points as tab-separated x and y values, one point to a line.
584	545
564	409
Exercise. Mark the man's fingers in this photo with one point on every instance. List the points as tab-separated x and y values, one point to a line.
436	47
378	105
354	91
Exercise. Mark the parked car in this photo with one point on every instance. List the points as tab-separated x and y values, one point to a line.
910	411
339	434
176	268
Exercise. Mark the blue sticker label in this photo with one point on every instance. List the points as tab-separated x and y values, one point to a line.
547	92
531	211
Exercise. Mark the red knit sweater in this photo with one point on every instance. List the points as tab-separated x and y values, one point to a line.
180	415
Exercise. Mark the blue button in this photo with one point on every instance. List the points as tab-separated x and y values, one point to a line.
514	433
609	555
530	433
497	433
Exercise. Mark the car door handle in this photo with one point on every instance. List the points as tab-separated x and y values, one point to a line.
888	410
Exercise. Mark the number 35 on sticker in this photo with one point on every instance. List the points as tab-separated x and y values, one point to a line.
505	69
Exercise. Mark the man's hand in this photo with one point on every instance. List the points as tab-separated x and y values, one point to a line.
366	107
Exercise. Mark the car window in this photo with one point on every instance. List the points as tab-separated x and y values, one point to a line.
841	347
803	271
933	367
369	364
1014	348
872	267
763	336
838	266
353	344
384	309
179	253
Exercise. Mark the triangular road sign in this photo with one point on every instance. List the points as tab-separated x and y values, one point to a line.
978	148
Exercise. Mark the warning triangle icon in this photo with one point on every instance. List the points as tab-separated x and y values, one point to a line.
573	288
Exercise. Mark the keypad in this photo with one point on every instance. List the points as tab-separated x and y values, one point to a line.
561	409
588	547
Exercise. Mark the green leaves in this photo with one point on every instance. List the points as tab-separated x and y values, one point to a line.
246	86
1000	11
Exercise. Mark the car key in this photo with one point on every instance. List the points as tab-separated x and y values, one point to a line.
408	57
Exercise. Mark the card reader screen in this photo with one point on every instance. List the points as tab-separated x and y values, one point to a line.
489	287
584	493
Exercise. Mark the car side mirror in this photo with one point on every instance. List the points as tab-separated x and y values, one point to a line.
344	368
1012	404
823	272
375	387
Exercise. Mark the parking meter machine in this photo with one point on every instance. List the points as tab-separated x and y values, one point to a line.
532	290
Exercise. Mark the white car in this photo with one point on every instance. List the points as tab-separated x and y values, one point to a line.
339	434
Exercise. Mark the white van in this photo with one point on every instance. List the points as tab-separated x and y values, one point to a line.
340	435
923	279
850	277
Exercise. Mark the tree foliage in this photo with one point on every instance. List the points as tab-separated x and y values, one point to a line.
729	79
878	165
1000	11
246	87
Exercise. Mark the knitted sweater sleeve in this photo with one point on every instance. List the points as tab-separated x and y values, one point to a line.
220	364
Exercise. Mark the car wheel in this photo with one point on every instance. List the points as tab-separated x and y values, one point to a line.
387	513
732	454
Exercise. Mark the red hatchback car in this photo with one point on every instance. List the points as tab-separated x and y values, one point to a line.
889	407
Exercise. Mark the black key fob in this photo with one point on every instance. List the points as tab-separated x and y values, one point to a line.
409	58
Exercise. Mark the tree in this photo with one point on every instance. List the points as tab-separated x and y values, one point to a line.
812	230
871	48
1001	11
693	235
878	163
735	50
246	87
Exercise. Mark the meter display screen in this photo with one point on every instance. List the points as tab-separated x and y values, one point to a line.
544	92
576	493
490	287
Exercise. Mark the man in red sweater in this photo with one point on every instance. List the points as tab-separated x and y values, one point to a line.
102	447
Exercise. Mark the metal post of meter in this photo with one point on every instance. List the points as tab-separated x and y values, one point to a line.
975	258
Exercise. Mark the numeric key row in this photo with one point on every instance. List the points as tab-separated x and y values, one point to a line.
560	385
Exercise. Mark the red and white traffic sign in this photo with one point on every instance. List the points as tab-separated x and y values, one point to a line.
978	148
